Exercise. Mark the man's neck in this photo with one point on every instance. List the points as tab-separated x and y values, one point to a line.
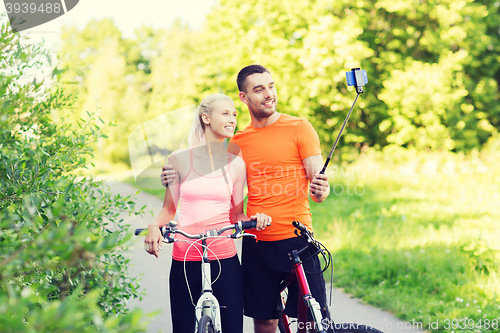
264	122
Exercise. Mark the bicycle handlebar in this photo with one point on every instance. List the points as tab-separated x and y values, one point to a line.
308	236
239	227
300	226
304	232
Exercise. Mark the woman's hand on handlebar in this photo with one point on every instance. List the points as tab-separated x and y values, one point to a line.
262	219
153	240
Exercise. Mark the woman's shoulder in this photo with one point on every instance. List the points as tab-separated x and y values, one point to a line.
236	159
179	157
238	165
180	151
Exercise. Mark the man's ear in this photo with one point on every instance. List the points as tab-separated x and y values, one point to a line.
243	97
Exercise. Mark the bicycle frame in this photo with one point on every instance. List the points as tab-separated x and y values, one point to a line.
306	301
207	303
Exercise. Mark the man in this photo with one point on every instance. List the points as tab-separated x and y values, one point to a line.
282	154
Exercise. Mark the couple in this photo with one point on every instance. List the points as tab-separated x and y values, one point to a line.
278	156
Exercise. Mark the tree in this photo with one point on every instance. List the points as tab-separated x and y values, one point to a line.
436	69
404	46
109	74
62	267
433	68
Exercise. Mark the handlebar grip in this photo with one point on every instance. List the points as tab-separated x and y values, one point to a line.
300	226
138	231
248	225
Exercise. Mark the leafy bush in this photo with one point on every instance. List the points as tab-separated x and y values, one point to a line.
62	267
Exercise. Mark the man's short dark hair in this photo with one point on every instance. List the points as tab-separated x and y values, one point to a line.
245	72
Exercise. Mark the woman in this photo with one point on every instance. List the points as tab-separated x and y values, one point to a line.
209	183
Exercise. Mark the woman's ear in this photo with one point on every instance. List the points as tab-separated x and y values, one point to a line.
205	119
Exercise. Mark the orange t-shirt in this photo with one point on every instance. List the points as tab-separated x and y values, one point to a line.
277	181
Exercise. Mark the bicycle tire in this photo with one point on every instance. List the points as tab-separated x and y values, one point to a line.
354	328
205	325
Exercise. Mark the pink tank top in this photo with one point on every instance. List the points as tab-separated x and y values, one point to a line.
205	203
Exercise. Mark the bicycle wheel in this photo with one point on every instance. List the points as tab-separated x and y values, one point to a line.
354	328
205	325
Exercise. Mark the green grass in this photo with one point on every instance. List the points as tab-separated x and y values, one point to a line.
417	234
421	240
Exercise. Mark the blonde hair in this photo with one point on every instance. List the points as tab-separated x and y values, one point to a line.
206	106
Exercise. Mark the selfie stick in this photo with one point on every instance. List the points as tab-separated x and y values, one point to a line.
359	90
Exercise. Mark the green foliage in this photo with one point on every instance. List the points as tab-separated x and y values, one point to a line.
425	62
433	68
62	267
114	86
482	257
439	71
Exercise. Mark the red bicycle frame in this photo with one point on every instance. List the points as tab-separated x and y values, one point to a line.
305	301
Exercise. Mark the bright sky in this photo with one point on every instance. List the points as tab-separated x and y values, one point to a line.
128	15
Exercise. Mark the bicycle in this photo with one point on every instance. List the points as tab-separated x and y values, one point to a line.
306	301
207	309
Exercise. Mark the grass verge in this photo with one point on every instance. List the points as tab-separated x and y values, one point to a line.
418	236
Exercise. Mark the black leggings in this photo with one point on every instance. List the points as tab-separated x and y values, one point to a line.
228	290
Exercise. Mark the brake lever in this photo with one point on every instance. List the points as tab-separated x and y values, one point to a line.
239	234
236	234
249	235
165	232
305	235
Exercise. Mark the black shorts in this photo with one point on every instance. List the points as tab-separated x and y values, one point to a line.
265	265
227	289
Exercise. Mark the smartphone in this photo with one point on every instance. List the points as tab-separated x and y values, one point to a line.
356	77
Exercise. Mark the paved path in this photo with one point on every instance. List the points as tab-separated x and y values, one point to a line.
155	281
